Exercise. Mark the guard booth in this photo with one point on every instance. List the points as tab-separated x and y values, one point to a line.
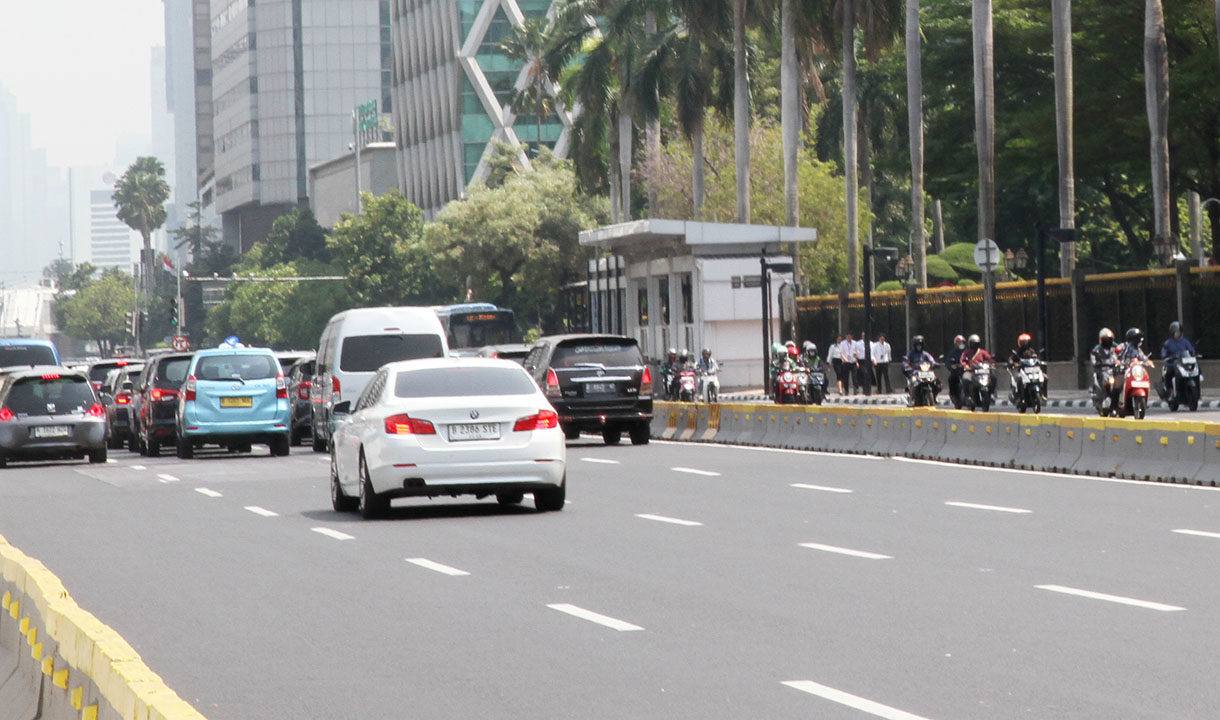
686	284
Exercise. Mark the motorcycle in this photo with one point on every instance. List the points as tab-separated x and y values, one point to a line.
961	396
978	384
817	385
1184	384
786	388
709	386
803	388
686	385
921	386
1106	390
1133	401
1028	381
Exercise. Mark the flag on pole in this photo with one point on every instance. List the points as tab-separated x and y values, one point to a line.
167	265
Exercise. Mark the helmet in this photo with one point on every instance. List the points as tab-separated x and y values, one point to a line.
790	344
777	350
959	342
1105	338
973	342
1023	341
792	351
810	349
917	343
1175	329
707	352
684	355
671	352
1134	337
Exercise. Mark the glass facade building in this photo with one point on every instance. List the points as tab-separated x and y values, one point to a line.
452	89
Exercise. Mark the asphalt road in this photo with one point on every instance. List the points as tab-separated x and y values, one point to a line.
681	581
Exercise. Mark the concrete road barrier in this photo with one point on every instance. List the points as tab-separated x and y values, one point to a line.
1209	472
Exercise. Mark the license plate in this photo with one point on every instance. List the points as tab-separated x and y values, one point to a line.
50	431
474	431
927	376
237	402
599	388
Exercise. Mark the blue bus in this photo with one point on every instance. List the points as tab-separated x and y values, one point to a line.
470	326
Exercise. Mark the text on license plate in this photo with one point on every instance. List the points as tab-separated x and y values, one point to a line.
474	431
237	402
50	431
599	388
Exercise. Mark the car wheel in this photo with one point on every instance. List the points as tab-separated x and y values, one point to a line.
280	446
3	460
640	433
133	442
551	499
510	498
294	436
370	505
154	448
571	432
339	501
97	456
186	450
115	442
612	436
319	443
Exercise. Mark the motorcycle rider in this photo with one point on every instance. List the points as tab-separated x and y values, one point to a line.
1174	347
1104	353
975	353
811	359
953	363
1025	350
707	364
670	372
1132	347
915	357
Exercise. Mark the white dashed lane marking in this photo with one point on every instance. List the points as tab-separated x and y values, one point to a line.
138	467
1198	533
612	623
209	493
167	478
693	471
600	461
994	508
261	511
333	533
846	551
670	520
823	488
852	701
430	565
1161	607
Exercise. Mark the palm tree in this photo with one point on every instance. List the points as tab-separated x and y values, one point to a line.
139	199
789	111
984	114
528	44
852	196
1156	97
915	123
1061	19
741	111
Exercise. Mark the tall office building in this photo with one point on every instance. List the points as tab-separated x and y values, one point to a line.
452	92
201	34
112	244
286	75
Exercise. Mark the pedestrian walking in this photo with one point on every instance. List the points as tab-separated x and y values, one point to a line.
882	356
851	365
835	359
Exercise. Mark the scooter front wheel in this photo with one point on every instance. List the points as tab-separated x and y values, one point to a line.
1139	406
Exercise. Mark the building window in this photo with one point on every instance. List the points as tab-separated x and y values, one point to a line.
663	295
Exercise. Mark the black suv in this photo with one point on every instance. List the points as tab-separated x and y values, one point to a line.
597	383
155	402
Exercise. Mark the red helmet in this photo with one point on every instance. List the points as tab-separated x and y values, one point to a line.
793	352
1023	340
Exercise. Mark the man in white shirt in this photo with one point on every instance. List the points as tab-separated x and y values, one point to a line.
882	355
851	364
863	377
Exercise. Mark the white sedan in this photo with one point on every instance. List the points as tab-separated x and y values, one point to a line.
447	427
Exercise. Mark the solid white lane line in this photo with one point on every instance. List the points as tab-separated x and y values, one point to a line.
333	533
138	467
167	478
852	701
996	508
751	448
1047	473
209	493
600	461
445	569
673	521
1200	533
823	488
261	511
693	471
1110	598
593	617
846	551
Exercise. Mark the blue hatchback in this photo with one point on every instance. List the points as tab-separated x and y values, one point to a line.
233	398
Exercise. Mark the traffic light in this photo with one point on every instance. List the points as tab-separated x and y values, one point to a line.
173	312
143	319
131	323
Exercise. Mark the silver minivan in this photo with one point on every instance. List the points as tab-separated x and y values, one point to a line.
355	344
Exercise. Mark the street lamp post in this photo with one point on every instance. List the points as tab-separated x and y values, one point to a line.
886	253
764	283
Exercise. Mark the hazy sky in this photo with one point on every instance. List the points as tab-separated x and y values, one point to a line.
80	70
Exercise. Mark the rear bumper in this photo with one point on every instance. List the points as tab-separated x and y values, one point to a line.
15	441
201	431
452	479
594	417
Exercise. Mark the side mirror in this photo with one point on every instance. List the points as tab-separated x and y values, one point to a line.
343	408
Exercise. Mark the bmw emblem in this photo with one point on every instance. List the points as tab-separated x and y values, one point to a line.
601	373
474	414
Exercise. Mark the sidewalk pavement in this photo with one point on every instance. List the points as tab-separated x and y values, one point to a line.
1056	399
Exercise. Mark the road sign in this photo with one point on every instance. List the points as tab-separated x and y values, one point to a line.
180	344
987	255
231	341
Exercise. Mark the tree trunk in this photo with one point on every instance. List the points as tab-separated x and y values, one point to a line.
1218	23
1156	96
1062	20
984	115
915	125
741	111
652	132
849	145
790	119
538	105
616	205
697	171
624	161
866	183
938	227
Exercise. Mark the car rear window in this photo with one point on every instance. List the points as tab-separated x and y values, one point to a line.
133	376
13	355
172	373
609	352
51	395
99	371
463	382
366	353
246	367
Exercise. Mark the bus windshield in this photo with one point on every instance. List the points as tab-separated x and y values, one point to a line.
473	329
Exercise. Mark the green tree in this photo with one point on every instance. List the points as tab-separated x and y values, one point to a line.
139	198
194	235
282	315
529	44
97	311
294	236
383	255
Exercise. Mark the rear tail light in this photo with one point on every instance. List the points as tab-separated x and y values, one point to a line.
544	420
122	398
188	390
303	389
552	384
158	395
5	414
96	411
334	389
281	387
404	424
646	382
